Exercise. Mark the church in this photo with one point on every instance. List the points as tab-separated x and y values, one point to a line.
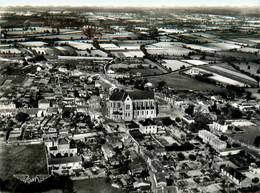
131	105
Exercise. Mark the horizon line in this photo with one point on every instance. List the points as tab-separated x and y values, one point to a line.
134	6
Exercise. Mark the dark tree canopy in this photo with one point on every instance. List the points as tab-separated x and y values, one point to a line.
257	141
21	117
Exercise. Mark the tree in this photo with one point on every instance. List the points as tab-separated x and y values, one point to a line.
21	117
161	84
66	114
153	32
178	119
255	180
87	164
192	157
181	156
190	110
257	141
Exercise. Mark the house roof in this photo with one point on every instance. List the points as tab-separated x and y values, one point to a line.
134	95
139	95
117	96
64	160
235	173
53	148
63	141
147	122
44	101
132	125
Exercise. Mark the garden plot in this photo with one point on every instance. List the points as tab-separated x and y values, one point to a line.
169	140
9	51
195	62
174	64
33	43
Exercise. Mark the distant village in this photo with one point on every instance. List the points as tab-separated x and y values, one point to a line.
148	102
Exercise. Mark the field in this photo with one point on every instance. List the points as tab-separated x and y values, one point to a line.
253	68
10	50
167	48
248	136
248	49
23	159
238	55
92	53
226	80
195	62
174	64
77	45
147	72
240	75
33	43
130	54
181	82
201	47
45	51
223	46
98	185
108	46
75	36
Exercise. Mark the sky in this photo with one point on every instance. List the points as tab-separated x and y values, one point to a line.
130	2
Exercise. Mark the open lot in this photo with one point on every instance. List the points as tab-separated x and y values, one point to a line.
23	159
181	82
174	64
248	136
167	48
98	185
147	72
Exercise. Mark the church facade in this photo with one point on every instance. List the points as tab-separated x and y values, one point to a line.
132	105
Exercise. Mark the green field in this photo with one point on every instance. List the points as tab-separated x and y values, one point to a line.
180	82
97	185
147	72
23	159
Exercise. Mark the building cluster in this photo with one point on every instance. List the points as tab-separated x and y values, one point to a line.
103	100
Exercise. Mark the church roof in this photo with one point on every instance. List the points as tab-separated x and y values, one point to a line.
134	95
